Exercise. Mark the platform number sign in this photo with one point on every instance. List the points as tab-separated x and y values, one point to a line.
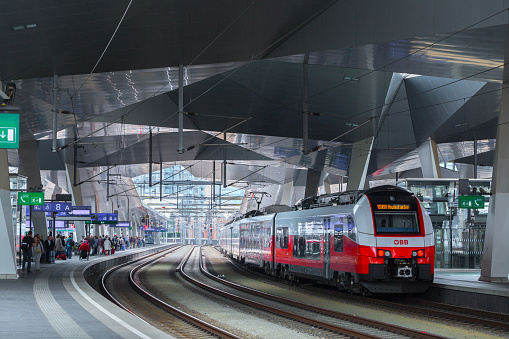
471	201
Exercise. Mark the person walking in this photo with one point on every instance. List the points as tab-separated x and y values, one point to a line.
38	250
26	245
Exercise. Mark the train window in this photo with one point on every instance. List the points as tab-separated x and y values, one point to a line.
401	222
267	238
282	237
338	238
352	230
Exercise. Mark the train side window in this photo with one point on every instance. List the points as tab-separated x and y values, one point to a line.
282	237
352	230
267	238
338	238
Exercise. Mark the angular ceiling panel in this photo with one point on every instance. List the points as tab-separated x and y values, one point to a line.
433	101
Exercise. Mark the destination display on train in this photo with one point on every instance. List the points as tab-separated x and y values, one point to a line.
393	206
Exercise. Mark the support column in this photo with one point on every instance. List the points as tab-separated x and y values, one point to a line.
314	176
181	110
495	266
428	154
77	198
326	184
29	166
7	247
288	187
359	162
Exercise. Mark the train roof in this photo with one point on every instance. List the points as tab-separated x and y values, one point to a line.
346	198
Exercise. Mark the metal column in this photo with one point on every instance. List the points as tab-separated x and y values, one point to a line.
181	109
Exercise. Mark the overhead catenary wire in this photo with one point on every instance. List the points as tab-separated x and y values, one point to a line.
482	20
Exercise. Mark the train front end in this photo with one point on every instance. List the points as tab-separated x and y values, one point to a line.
398	237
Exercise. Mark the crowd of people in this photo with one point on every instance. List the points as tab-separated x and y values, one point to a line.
61	248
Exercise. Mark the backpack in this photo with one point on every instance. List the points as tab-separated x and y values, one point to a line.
24	246
71	242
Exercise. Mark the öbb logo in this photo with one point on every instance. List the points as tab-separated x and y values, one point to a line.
400	242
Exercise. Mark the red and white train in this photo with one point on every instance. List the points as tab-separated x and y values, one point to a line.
379	241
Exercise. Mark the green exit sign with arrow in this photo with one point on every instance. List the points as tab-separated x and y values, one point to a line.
9	131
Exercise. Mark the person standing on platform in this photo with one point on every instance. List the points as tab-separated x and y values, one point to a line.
38	250
59	245
26	245
96	245
43	254
107	245
49	246
69	246
100	245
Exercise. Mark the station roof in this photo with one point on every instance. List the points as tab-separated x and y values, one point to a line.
117	66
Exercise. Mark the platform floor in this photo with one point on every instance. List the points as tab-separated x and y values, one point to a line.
468	280
462	287
57	302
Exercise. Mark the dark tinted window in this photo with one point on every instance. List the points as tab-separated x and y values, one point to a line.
397	222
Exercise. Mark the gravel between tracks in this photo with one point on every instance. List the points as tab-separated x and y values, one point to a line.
162	281
219	265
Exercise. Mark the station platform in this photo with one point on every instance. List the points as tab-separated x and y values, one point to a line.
462	287
57	302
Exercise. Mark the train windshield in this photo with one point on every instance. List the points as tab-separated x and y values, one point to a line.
397	222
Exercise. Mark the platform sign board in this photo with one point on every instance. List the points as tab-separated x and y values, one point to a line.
31	198
54	207
113	217
82	211
471	201
9	131
124	224
103	218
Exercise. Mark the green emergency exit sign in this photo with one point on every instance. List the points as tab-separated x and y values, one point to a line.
31	198
9	131
471	201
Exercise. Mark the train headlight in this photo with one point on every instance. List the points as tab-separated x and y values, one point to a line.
384	253
418	253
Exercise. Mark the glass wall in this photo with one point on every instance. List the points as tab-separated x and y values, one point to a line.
459	233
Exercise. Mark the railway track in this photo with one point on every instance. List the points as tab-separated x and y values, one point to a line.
183	325
432	310
353	326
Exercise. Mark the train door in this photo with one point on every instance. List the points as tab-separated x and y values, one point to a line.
273	243
231	240
326	246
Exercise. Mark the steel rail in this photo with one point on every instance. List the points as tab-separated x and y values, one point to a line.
469	315
293	316
340	315
105	290
207	327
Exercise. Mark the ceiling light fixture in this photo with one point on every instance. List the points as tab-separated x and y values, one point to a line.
18	28
21	28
